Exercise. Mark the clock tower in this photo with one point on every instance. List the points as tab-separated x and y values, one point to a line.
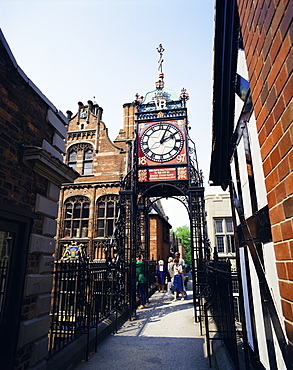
162	134
162	163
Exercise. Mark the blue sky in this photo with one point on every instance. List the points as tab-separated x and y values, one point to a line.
75	50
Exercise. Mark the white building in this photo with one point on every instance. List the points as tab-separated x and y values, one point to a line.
221	236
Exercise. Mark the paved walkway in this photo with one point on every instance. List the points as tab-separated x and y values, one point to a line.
161	336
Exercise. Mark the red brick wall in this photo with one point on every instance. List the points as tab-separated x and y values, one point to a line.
159	248
267	37
22	122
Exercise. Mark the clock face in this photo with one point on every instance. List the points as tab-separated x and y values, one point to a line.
161	142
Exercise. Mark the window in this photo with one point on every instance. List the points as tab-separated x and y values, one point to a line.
229	226
224	235
107	211
220	244
76	217
72	159
84	151
219	226
235	285
88	162
236	308
230	243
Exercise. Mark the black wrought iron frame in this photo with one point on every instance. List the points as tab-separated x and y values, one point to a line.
131	232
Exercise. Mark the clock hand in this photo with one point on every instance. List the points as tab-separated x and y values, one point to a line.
167	138
162	138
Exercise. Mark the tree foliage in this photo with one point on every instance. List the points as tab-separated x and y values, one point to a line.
183	232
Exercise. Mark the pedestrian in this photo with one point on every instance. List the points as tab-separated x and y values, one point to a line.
182	263
140	281
181	260
185	278
170	277
178	282
161	275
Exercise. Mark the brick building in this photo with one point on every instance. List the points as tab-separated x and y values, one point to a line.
252	154
31	147
88	207
159	234
101	165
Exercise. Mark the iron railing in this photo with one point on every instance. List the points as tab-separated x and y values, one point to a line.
84	294
3	280
219	308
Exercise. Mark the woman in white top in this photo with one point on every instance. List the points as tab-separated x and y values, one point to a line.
178	282
161	276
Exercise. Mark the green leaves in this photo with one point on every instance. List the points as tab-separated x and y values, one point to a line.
183	232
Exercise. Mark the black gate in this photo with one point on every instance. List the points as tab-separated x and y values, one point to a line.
84	294
219	308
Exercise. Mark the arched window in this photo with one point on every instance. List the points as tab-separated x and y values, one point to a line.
72	159
84	151
76	217
107	212
88	162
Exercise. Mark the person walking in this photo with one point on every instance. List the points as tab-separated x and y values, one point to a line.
181	260
161	275
178	281
182	263
170	276
140	281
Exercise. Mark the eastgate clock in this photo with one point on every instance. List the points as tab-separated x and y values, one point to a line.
161	142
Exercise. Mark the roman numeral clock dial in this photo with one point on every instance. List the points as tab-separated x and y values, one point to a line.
161	142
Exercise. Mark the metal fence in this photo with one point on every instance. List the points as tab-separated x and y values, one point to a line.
3	280
84	294
219	308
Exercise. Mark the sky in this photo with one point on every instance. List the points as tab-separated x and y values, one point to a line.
80	50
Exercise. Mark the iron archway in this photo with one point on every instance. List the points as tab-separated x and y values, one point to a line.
132	234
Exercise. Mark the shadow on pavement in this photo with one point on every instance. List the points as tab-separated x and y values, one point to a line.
161	336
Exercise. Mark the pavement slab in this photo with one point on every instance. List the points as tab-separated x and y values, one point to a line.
163	335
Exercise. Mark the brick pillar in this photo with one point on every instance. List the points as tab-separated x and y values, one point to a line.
128	119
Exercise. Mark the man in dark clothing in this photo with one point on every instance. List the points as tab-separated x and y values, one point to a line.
140	281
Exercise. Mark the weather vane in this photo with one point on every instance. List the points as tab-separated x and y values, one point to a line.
160	51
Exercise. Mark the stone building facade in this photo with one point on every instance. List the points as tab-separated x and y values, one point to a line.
252	154
31	172
220	225
101	165
89	206
221	237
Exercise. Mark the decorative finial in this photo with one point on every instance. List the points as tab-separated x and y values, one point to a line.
184	96
160	50
138	99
